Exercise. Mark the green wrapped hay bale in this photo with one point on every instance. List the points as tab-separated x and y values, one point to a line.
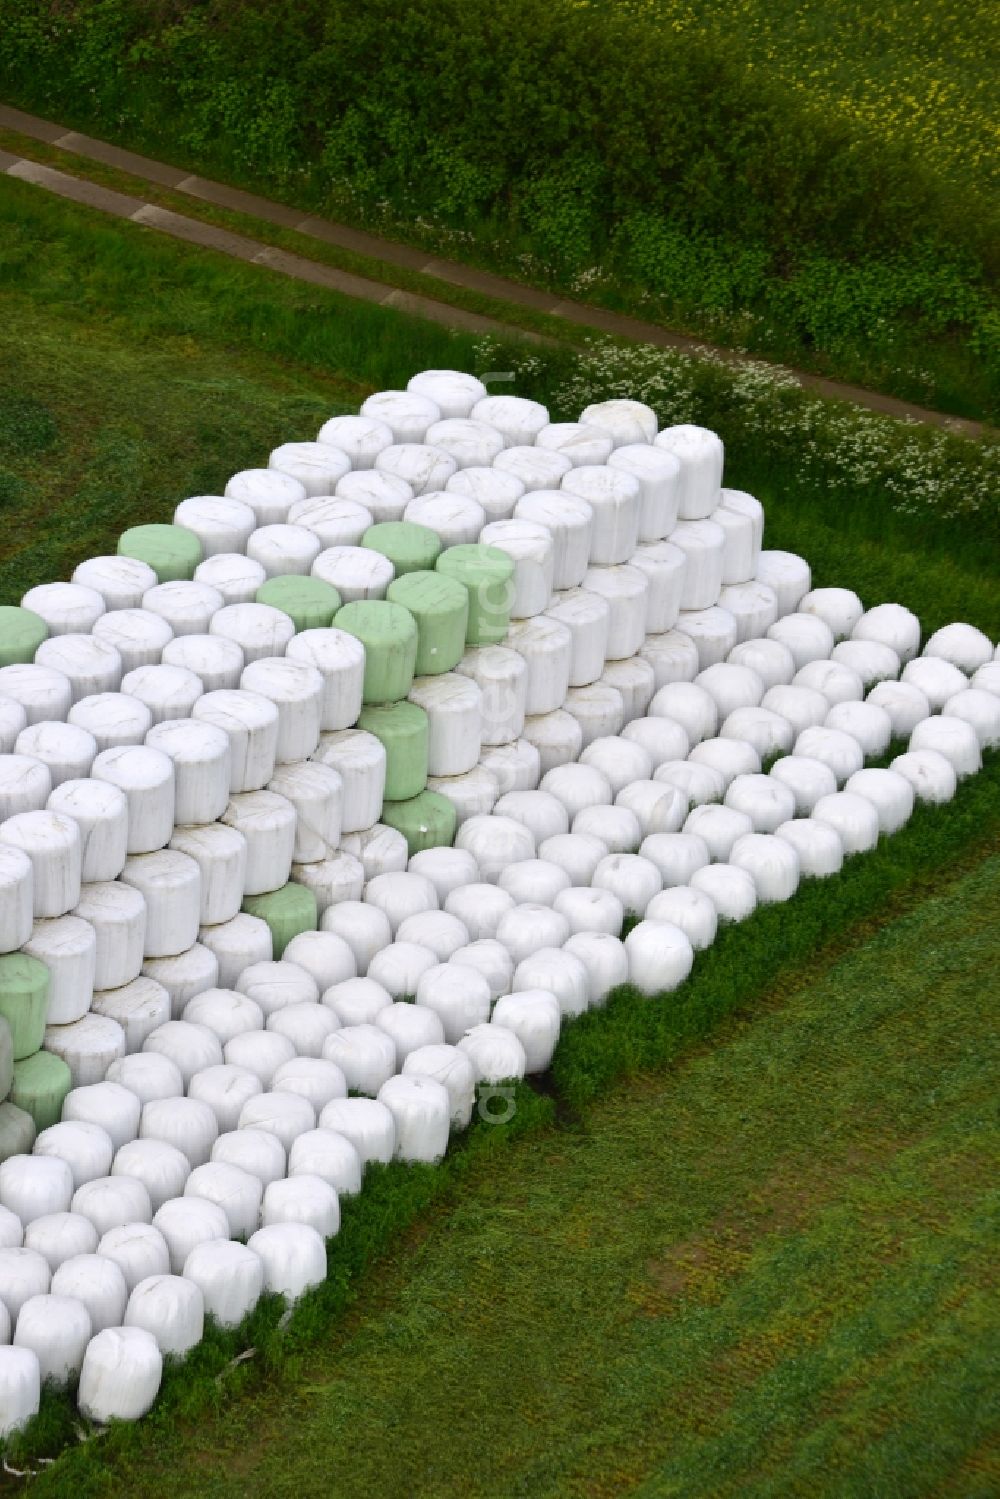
404	731
21	633
409	547
24	1001
440	606
309	602
388	633
287	912
425	821
40	1086
6	1058
17	1131
487	574
172	552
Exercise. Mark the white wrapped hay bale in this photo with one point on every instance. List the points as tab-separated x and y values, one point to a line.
719	828
704	546
56	1329
586	614
806	636
59	1236
496	1054
980	709
360	761
479	907
839	751
230	1278
731	890
68	948
108	1202
699	783
452	391
400	966
23	1273
517	419
530	928
807	779
317	1079
20	1389
582	444
714	632
225	1089
490	960
634	880
293	1257
190	1047
88	1046
269	492
936	678
495	492
318	466
297	691
495	842
364	927
329	959
754	607
771	660
110	1106
401	894
170	885
951	737
839	608
273	986
454	707
437	930
52	845
121	581
534	468
366	1123
675	855
689	705
421	1109
532	550
866	722
788	574
742	546
605	960
167	691
253	1150
221	523
731	757
690	910
13	719
140	1008
169	1307
407	413
120	1377
447	869
359	438
502	681
43	693
228	1187
587	909
89	664
146	777
11	1228
451	1068
853	817
772	863
148	1075
625	590
542	813
384	495
569	521
664	566
458	994
334	523
932	777
258	629
514	767
660	956
235	945
615	499
202	759
138	635
112	719
286	1115
226	1014
423	467
410	1026
576	854
331	1157
673	657
341	878
284	550
100	811
890	793
33	1187
267	823
233	575
97	1284
635	682
763	799
340	660
302	1199
67	608
700	454
186	1123
473	794
364	1054
835	681
220	854
905	704
187	607
963	646
626	422
139	1251
890	625
731	686
662	738
616	827
533	882
658	474
546	648
819	846
872	660
768	733
454	518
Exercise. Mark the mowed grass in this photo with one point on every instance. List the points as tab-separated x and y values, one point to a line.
771	1270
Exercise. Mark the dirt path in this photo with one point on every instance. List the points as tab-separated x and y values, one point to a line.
392	252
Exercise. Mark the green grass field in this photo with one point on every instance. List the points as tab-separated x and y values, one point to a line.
760	1266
